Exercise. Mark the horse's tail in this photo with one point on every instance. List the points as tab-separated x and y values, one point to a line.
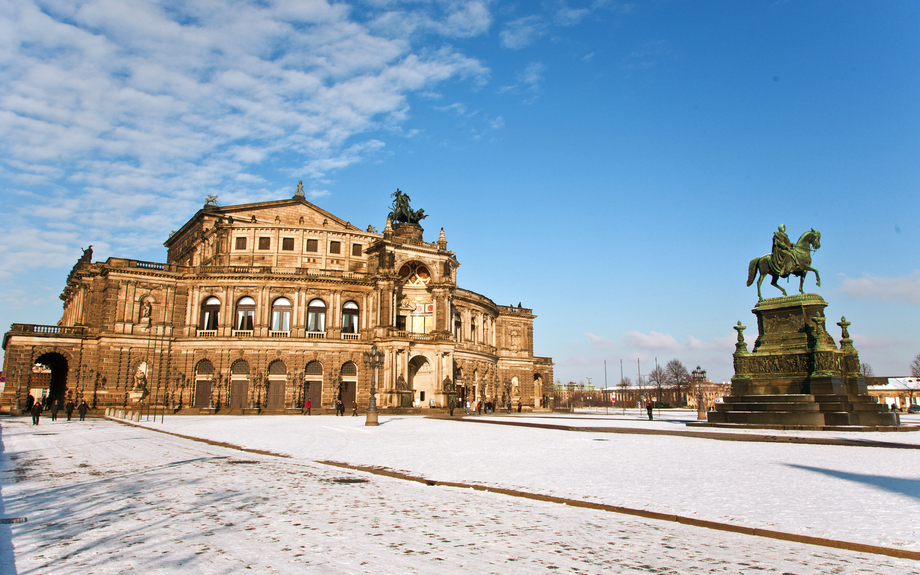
752	270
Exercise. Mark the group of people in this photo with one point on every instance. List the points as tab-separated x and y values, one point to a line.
340	408
477	407
37	407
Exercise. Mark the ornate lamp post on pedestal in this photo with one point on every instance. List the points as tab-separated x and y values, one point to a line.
372	359
699	375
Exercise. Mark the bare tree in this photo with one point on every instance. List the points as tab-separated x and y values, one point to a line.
625	382
677	377
865	370
659	379
915	366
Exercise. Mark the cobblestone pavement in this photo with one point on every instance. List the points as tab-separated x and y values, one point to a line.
101	497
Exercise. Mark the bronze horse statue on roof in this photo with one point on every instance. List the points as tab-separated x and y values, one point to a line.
800	263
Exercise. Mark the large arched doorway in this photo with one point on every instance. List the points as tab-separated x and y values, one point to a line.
313	384
422	383
57	384
204	377
277	378
349	384
239	384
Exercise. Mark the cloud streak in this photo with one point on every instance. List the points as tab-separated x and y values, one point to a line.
904	289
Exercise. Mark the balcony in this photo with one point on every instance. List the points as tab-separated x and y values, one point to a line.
48	329
242	333
352	336
316	335
279	333
206	333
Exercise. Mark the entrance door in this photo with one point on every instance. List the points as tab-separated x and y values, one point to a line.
239	389
314	393
349	393
203	393
275	399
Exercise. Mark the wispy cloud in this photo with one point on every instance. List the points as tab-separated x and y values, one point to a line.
647	55
522	32
904	288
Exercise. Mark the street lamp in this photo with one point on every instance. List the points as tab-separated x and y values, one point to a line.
372	359
699	375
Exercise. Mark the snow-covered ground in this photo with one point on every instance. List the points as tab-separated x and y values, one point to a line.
104	497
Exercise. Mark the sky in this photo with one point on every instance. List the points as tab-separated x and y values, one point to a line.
613	166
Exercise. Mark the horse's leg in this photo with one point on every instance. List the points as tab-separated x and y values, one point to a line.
759	281
777	286
817	275
802	281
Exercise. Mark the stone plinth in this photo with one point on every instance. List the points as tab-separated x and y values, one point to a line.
796	377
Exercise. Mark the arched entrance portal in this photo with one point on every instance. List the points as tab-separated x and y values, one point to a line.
57	386
422	383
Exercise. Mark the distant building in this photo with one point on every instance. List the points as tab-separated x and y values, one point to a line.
262	306
902	392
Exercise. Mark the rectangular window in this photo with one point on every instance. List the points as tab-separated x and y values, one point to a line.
312	245
265	243
335	247
356	249
241	243
287	244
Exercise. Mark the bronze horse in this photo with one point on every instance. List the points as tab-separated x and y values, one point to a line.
807	242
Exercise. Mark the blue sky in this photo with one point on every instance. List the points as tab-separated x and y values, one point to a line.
614	166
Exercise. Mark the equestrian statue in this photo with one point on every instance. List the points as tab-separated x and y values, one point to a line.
786	259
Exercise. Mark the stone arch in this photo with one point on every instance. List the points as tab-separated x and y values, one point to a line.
423	383
59	365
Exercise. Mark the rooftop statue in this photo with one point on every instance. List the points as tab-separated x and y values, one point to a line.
402	213
210	201
786	259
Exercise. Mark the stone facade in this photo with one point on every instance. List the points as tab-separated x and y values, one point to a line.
262	306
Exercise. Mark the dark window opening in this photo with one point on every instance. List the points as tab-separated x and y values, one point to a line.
287	244
265	243
241	243
356	249
335	247
312	245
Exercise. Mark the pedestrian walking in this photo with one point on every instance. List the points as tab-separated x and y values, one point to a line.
648	408
55	407
68	409
36	412
339	408
467	407
83	409
354	409
307	406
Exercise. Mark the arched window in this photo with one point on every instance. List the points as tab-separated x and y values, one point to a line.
245	312
457	325
210	314
281	314
350	317
316	315
473	334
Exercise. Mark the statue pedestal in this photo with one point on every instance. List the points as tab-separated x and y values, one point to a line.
796	377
